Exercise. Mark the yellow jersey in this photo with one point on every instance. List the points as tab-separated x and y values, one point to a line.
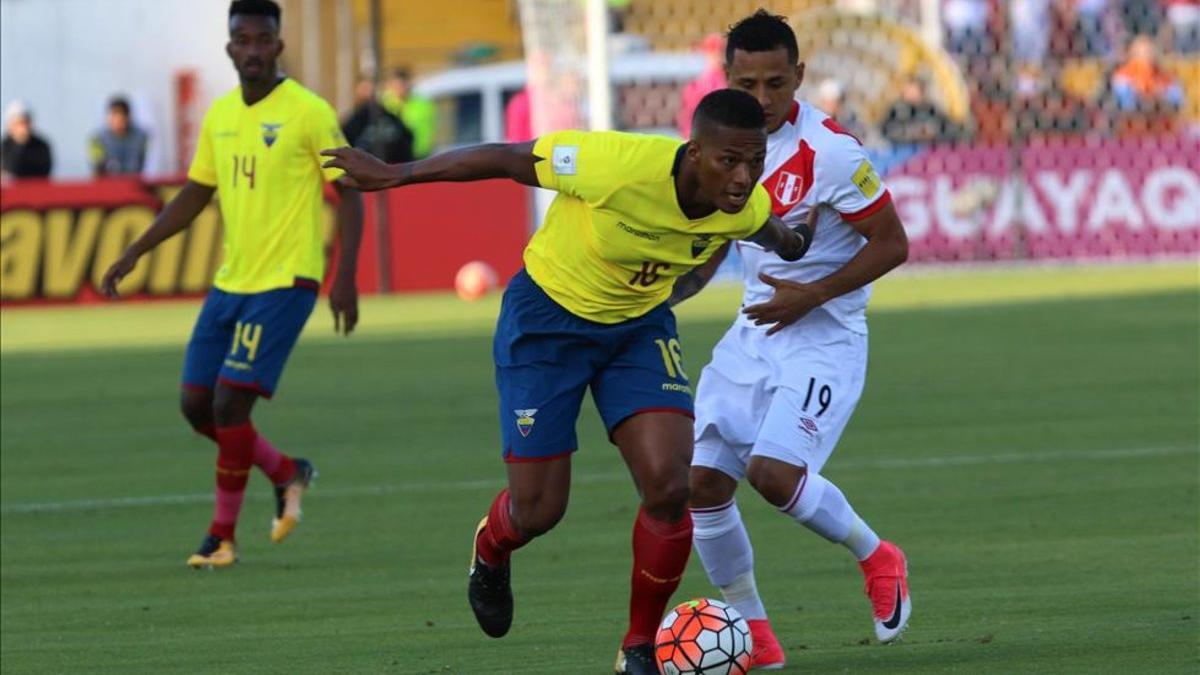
615	238
263	160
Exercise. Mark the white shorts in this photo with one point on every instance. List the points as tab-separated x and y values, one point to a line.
787	396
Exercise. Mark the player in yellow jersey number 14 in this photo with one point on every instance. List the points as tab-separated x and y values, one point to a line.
589	311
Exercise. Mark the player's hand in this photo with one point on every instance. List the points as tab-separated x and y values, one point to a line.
116	272
363	170
343	301
792	300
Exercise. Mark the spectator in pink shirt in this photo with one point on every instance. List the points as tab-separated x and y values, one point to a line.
711	79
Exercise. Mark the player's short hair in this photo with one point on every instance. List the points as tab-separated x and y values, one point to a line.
728	108
402	73
762	31
119	103
267	8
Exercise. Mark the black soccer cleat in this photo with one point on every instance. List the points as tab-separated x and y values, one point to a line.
636	660
490	593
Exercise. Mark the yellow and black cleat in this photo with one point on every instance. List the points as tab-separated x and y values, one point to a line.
213	552
287	500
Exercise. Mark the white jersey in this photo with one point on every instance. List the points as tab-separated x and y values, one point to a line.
811	161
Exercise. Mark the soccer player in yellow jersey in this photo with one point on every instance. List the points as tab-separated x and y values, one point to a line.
258	149
589	310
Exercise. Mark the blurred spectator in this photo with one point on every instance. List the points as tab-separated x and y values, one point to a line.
23	154
1141	17
518	118
618	12
1030	26
119	147
831	100
1183	16
417	112
713	78
371	127
1044	108
966	24
1141	84
1094	25
914	119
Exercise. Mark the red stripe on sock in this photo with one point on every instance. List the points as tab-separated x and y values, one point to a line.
235	456
713	509
796	496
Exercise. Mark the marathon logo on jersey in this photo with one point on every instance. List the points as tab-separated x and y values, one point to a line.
700	243
525	420
789	188
564	160
866	180
270	133
809	425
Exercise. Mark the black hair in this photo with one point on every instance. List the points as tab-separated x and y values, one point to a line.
762	31
267	8
729	108
119	103
402	73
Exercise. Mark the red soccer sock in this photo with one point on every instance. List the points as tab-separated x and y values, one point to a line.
499	537
660	555
278	466
235	456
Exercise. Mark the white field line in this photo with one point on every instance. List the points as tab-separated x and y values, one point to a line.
15	508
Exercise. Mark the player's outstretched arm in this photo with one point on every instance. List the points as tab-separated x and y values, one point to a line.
343	296
694	281
478	162
178	214
789	244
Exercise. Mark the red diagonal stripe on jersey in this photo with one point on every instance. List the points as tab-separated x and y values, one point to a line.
791	181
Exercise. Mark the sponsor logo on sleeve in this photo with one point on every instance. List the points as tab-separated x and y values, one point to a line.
565	159
866	180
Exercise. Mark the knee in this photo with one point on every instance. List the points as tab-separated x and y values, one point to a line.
709	487
776	481
197	408
665	494
231	407
537	516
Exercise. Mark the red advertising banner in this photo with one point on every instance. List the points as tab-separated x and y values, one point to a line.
57	239
1072	199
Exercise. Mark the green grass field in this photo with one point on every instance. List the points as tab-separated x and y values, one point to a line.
1039	461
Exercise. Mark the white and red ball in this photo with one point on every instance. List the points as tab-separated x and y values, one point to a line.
475	280
703	637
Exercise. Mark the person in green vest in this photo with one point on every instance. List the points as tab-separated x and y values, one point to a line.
417	112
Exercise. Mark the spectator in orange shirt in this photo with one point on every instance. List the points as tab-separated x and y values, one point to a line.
1141	84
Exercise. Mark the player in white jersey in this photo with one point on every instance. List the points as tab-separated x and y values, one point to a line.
786	377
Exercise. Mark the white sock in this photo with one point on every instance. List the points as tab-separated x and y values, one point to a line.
821	507
724	547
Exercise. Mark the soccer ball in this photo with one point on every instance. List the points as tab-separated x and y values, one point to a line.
474	280
703	637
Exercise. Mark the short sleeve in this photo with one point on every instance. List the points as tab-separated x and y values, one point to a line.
324	132
577	163
852	186
204	169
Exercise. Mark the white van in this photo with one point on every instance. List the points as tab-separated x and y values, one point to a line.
470	101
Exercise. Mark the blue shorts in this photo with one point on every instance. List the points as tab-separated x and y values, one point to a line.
546	357
244	339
